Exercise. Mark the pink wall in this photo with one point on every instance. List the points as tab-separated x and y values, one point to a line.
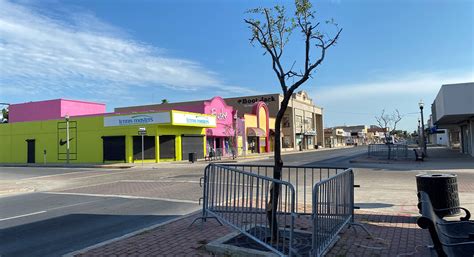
52	109
224	117
78	108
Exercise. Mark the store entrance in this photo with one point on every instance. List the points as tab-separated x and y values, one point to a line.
113	148
192	144
30	150
167	147
148	146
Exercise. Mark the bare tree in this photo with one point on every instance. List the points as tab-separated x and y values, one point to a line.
272	30
388	121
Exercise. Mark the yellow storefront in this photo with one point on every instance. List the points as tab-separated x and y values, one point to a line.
170	136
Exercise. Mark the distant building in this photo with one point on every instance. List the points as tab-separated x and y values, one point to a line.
376	135
357	134
453	109
336	137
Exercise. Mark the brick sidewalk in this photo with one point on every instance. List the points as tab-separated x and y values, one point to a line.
395	236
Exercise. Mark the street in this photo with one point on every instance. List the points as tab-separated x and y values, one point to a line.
55	211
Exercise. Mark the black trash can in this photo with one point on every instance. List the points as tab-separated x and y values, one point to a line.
442	189
192	157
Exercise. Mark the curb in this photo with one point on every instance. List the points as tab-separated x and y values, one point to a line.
73	166
83	250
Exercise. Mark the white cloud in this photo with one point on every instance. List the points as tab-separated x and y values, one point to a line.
39	54
359	103
404	84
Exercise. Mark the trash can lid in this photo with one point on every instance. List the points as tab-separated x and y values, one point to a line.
436	175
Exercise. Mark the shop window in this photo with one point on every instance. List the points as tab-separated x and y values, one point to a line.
287	142
286	122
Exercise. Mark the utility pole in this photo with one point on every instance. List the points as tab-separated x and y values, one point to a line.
421	104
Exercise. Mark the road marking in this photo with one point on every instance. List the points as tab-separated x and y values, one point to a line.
64	174
50	209
24	215
126	197
161	181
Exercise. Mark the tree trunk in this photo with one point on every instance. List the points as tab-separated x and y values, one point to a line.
277	170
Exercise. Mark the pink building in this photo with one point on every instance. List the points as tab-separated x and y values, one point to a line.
220	138
52	109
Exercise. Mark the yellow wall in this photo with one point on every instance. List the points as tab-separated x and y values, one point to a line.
272	123
13	136
262	117
250	121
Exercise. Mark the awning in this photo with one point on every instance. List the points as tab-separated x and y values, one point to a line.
281	132
255	132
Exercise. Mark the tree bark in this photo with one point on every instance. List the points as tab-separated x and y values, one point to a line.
275	189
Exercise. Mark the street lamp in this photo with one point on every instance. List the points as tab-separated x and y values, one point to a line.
419	132
67	138
421	104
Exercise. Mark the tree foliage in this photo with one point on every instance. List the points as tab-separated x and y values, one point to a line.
271	29
4	115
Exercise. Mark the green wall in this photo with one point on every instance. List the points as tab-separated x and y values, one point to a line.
13	136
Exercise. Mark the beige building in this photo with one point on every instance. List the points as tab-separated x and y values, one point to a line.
335	137
302	124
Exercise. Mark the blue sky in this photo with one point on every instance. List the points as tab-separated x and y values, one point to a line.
390	55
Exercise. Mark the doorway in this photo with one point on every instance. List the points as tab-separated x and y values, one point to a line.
30	150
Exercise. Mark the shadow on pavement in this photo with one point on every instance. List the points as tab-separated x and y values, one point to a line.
393	235
65	234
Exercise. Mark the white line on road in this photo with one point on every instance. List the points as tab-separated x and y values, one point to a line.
161	181
50	209
24	215
126	197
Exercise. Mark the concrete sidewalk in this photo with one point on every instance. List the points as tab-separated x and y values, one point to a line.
394	235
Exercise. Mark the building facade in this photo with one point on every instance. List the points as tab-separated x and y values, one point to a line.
103	137
336	137
453	109
302	124
219	139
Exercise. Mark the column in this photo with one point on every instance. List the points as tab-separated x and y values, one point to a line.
157	148
128	149
179	150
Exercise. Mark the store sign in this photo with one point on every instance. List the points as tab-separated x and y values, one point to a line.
137	119
265	99
193	119
220	114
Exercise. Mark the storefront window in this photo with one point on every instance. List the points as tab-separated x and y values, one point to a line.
298	123
287	142
286	121
308	124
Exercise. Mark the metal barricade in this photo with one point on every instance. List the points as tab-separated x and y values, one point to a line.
389	151
333	208
239	194
301	177
240	199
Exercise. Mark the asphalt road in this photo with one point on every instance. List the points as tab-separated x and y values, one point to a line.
77	208
46	224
